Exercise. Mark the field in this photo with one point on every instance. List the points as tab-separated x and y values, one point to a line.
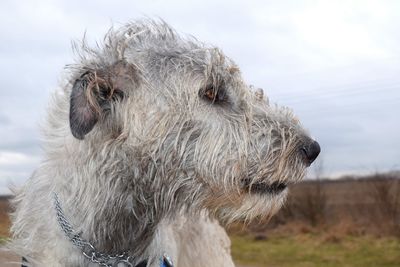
4	220
307	250
346	223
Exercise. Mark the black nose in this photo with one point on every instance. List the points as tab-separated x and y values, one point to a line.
310	152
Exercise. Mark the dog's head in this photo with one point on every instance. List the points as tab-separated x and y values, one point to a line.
181	114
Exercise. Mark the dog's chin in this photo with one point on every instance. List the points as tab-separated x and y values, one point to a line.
253	206
263	204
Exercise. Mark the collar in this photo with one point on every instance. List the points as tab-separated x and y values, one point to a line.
164	262
91	253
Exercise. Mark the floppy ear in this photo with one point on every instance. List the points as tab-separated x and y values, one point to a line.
93	93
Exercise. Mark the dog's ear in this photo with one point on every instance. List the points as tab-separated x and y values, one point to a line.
93	94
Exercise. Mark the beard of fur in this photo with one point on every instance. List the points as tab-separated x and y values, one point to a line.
217	166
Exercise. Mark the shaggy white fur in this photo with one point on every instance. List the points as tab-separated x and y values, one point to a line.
152	141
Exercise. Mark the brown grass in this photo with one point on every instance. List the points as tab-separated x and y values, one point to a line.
4	218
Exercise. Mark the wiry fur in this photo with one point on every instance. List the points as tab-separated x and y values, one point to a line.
158	158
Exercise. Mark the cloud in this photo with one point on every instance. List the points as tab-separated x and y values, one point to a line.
4	120
10	158
15	168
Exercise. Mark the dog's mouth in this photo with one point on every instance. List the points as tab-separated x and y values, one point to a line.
274	188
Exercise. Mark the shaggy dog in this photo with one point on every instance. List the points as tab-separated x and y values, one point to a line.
152	142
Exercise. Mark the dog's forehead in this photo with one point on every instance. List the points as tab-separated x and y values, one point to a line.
159	47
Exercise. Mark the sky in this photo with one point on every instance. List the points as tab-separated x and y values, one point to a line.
335	63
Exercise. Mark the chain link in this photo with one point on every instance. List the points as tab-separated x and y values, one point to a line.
88	250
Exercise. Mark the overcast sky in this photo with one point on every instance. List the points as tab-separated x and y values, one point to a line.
336	63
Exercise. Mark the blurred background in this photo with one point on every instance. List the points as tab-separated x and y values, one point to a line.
335	63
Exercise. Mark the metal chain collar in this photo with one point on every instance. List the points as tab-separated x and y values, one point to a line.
88	250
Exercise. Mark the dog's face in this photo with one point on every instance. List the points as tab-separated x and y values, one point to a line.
199	131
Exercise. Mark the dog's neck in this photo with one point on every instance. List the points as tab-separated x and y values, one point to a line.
120	210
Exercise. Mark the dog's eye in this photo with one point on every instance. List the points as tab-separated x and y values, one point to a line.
212	94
